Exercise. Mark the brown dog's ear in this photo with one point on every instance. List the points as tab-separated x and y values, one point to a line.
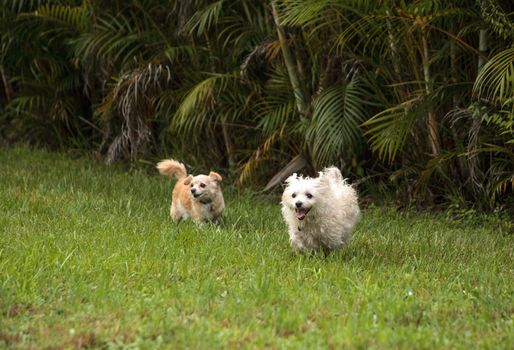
188	179
215	176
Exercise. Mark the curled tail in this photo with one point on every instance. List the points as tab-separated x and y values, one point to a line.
332	173
171	167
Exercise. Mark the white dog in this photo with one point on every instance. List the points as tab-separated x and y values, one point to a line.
320	212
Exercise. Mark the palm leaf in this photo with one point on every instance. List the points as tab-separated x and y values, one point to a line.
388	129
196	108
204	18
495	82
314	12
77	16
334	129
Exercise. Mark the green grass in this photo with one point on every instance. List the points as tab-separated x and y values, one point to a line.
90	258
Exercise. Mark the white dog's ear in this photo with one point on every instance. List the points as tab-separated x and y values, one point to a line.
291	178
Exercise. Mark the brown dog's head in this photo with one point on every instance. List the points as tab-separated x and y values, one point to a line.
204	188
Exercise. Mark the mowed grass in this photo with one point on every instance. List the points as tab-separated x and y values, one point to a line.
90	258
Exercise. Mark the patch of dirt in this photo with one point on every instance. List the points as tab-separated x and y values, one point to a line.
9	338
85	340
18	309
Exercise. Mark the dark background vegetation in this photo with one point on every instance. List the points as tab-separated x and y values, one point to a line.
414	100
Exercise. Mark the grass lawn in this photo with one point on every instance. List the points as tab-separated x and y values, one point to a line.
90	258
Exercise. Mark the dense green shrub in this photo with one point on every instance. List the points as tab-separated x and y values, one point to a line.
414	100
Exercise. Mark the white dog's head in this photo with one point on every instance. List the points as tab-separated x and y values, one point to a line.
301	195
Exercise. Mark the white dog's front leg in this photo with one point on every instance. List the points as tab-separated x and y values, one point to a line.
296	242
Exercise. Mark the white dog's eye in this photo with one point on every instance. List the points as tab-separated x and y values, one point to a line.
308	195
192	185
202	185
293	195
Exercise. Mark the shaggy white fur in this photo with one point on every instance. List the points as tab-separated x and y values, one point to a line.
320	212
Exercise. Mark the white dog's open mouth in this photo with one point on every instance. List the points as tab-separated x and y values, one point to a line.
301	213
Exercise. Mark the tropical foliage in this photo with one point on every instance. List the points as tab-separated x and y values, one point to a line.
414	99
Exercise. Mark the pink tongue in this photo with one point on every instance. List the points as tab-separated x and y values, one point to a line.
300	214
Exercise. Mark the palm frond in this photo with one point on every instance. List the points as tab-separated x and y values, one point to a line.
204	18
116	39
495	82
76	16
334	130
313	12
277	107
196	108
246	29
497	18
261	154
19	6
134	97
388	129
181	53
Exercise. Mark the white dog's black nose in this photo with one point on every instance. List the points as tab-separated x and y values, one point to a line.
193	190
298	204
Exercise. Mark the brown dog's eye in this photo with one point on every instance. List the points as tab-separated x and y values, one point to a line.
202	185
309	195
293	195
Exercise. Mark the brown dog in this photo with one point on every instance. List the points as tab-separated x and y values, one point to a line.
198	197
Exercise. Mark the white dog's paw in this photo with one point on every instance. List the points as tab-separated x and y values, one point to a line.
297	244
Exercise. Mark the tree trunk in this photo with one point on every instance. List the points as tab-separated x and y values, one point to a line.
476	174
461	166
301	101
433	133
395	57
7	85
229	146
482	47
